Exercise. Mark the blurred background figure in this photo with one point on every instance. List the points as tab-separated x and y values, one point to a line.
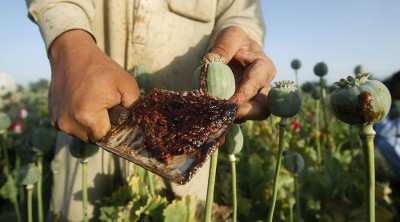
387	138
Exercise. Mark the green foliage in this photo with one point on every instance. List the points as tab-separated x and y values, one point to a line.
331	189
181	210
41	85
133	202
5	121
37	138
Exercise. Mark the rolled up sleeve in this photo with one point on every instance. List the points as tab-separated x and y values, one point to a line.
55	16
245	14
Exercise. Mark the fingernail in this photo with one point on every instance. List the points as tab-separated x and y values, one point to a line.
213	57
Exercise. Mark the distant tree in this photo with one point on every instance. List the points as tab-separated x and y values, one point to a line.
42	84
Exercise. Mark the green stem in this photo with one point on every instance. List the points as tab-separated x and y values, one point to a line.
282	125
84	163
234	198
151	182
324	112
20	188
296	190
351	161
29	188
16	207
210	188
9	177
54	196
317	134
290	212
4	146
39	189
367	135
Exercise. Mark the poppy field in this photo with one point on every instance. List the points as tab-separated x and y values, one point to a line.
308	161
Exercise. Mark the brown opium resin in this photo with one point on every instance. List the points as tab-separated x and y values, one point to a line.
180	123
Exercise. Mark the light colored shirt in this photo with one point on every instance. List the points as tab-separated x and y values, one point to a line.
168	37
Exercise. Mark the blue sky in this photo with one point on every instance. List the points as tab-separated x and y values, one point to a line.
341	33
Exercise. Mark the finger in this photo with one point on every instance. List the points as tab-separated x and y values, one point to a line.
254	80
69	126
90	126
227	43
129	92
98	126
255	109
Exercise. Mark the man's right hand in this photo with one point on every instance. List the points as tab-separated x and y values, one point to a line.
85	83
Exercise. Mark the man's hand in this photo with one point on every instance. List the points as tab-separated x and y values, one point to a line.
85	83
253	71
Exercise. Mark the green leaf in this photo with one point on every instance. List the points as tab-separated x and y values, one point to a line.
383	214
244	205
109	213
138	183
154	208
5	121
256	172
121	196
181	210
6	189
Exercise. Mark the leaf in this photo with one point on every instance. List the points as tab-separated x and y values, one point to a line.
6	189
255	171
138	184
181	210
109	213
121	196
244	205
5	121
154	208
383	214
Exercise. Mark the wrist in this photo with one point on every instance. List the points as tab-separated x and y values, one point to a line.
69	43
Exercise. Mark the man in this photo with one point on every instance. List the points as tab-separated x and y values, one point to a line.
92	44
387	138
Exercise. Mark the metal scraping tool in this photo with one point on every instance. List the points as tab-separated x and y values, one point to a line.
126	138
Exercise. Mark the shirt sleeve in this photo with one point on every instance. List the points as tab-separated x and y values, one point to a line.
243	13
57	16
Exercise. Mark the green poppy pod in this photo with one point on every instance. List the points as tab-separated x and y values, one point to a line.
296	64
358	69
42	138
284	100
215	78
360	101
82	150
55	166
316	92
293	162
28	174
233	140
321	69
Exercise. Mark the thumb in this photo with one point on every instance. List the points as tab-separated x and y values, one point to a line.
227	44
